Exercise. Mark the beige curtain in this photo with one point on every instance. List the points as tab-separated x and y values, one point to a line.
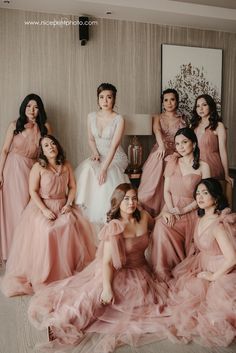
50	61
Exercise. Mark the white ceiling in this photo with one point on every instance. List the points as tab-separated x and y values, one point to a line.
205	14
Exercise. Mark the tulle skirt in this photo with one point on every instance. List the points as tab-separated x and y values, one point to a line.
44	251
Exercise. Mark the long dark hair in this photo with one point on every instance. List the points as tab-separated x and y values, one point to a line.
171	90
40	119
107	87
116	199
42	159
214	116
215	190
190	134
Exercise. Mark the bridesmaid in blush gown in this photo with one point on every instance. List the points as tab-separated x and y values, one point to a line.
99	175
19	153
173	231
116	296
202	303
52	239
212	139
165	125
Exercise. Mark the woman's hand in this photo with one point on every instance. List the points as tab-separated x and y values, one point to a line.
169	218
49	214
107	297
1	181
176	211
95	157
208	276
229	180
161	151
102	176
66	209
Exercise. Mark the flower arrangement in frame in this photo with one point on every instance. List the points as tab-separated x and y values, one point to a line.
192	71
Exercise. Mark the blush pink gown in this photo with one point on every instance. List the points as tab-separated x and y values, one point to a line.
170	245
14	194
150	192
200	310
43	250
209	152
72	307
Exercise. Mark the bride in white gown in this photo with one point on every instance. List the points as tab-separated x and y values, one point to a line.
99	175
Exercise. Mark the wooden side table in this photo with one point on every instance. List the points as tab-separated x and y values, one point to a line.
135	179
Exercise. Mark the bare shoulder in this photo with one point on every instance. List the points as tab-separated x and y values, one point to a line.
12	125
203	164
156	117
205	169
67	164
36	167
220	127
145	215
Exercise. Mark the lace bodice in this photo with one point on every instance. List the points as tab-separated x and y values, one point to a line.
103	141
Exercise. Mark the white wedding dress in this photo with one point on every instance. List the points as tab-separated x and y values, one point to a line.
94	199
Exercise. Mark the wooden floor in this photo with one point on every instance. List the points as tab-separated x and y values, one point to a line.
18	336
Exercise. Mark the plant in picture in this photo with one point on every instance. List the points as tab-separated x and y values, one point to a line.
190	82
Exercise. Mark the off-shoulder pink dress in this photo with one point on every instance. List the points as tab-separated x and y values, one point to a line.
14	194
209	152
151	188
43	250
171	244
72	307
200	310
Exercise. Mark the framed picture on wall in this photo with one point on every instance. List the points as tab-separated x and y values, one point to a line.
192	71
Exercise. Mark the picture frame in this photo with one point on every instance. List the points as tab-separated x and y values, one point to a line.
192	71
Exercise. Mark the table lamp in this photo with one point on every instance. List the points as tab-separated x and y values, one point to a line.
137	125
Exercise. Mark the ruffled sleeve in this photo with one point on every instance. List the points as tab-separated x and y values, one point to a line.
113	232
228	220
172	163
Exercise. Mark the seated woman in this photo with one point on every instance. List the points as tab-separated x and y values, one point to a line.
99	175
174	227
202	302
116	295
52	239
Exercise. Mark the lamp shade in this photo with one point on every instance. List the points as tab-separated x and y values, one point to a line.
138	124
